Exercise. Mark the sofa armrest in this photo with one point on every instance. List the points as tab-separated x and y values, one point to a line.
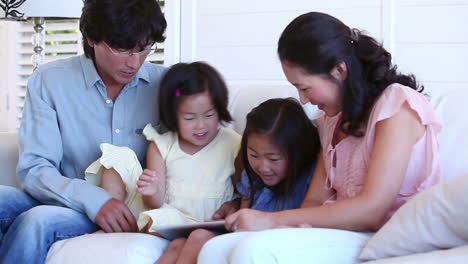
8	158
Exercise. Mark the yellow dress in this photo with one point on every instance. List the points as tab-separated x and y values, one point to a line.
196	185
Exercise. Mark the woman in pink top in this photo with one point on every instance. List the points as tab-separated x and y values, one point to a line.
379	148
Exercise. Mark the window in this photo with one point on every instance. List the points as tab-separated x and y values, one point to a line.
62	40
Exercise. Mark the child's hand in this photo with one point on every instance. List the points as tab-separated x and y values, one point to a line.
226	209
147	184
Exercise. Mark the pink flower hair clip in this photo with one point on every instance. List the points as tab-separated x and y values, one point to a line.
177	92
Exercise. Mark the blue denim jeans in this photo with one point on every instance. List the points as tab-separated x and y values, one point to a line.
28	229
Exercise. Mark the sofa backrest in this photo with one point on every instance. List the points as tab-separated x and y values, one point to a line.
448	106
243	98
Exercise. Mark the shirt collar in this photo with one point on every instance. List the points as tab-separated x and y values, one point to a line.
142	74
91	75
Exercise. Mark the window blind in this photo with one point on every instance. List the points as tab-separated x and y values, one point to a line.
62	40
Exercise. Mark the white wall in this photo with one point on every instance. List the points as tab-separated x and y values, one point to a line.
426	37
8	75
431	40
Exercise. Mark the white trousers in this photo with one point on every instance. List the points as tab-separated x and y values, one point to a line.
286	245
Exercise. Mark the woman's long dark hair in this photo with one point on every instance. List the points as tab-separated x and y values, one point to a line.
284	121
317	42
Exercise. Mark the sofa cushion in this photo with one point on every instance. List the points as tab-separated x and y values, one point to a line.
112	248
434	219
458	255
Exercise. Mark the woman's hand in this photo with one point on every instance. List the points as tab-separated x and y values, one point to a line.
147	184
250	220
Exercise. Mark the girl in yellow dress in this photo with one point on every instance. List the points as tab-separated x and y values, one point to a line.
189	167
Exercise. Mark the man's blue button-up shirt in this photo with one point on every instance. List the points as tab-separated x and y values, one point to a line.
67	115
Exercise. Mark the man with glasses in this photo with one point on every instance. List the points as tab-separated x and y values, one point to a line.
106	95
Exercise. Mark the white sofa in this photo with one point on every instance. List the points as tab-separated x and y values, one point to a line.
142	248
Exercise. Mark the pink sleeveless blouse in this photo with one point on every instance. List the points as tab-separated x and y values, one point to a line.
347	162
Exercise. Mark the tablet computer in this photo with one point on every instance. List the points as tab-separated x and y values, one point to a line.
172	232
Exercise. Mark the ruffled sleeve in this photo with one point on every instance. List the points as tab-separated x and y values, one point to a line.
122	159
125	162
393	98
163	141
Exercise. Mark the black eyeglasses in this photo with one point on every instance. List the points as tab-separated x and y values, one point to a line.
127	53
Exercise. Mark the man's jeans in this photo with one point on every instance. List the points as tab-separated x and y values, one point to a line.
28	229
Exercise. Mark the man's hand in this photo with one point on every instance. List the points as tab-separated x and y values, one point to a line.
114	216
226	209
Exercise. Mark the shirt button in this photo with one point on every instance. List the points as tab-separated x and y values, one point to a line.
117	131
108	101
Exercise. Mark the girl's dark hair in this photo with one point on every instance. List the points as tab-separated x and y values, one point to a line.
122	24
317	42
284	121
184	79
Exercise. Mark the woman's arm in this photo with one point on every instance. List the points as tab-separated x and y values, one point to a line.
317	194
152	183
394	140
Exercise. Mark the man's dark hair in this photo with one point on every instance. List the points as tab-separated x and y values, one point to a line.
122	24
